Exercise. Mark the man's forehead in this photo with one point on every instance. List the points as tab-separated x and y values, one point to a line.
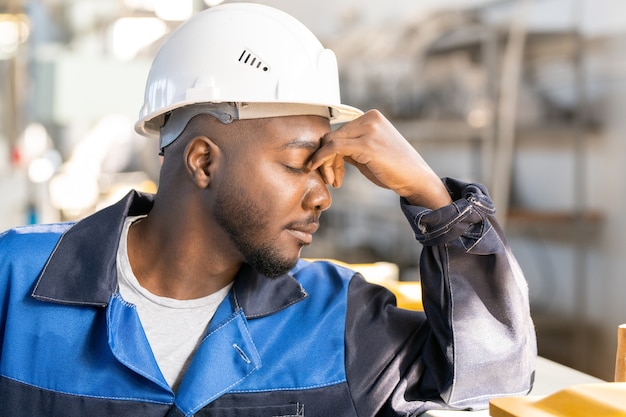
301	143
287	132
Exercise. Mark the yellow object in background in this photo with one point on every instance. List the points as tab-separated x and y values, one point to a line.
408	293
620	356
585	400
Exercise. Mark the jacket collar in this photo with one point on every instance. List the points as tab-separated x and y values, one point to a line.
82	268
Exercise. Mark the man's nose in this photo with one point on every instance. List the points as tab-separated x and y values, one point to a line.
317	196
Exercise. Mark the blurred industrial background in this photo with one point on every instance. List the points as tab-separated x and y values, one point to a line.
525	96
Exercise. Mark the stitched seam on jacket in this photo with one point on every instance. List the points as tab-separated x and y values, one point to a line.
328	384
484	233
451	318
507	394
209	400
127	362
446	227
101	397
234	317
304	295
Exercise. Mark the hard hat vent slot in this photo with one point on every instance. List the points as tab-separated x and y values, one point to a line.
252	60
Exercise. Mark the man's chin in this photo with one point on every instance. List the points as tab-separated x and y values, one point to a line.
280	270
272	266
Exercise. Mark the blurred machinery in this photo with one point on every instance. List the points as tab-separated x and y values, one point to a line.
443	81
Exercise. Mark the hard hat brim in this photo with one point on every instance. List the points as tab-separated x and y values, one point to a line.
151	124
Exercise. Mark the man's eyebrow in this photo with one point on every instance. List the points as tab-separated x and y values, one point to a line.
299	143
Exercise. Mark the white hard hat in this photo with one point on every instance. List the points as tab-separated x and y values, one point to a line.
240	61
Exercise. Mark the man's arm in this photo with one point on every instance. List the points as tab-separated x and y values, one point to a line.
476	338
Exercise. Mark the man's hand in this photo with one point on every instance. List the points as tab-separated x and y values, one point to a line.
373	145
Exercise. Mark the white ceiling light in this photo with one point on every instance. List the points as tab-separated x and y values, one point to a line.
212	3
13	31
173	9
130	34
40	170
140	4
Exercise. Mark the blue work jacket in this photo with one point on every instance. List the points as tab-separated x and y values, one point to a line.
319	341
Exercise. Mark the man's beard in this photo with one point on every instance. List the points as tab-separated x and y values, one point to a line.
245	222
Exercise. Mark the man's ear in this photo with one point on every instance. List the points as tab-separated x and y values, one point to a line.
201	156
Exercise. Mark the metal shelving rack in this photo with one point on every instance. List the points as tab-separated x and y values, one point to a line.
508	55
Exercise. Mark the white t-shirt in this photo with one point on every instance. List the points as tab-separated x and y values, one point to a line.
173	327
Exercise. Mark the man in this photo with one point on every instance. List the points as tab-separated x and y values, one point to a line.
194	301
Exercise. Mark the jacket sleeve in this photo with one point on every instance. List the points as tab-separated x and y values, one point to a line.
475	339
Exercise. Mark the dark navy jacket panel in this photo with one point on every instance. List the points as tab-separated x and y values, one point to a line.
336	402
22	400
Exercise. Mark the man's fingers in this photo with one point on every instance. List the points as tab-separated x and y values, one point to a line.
327	173
332	170
338	170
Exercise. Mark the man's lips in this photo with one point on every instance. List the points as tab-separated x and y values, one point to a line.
303	232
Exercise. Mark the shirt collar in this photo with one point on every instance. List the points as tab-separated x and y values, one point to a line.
82	268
